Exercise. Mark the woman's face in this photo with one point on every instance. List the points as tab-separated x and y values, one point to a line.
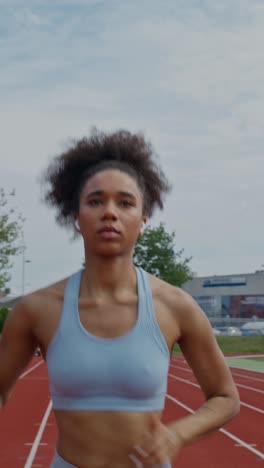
110	213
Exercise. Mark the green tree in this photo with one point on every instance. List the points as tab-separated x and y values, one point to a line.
11	229
3	314
155	252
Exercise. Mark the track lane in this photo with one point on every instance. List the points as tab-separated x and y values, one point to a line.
250	393
19	417
248	433
194	383
216	451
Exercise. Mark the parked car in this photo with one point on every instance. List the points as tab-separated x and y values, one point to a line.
230	331
254	328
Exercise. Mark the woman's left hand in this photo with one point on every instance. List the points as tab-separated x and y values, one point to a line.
159	445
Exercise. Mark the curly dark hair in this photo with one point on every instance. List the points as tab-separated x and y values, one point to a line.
66	175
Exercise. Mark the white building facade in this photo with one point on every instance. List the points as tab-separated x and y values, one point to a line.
239	296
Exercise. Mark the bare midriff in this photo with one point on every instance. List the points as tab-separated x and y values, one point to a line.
100	439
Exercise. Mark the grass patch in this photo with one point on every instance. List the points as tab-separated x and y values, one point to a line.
236	344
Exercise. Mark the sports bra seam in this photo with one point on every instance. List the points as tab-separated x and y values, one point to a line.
153	322
161	342
104	340
52	342
100	340
63	317
144	302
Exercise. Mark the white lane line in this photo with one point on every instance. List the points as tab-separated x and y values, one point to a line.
30	370
243	444
234	366
37	440
252	407
248	377
187	369
195	385
237	384
227	433
184	380
249	388
244	356
41	443
178	361
182	368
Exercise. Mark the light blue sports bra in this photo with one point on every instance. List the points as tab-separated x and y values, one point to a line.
126	373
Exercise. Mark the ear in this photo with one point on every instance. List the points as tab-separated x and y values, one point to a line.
143	225
142	229
77	225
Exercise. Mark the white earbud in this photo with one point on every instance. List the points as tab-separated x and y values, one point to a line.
143	225
77	225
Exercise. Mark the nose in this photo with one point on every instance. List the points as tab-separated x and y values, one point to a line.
110	211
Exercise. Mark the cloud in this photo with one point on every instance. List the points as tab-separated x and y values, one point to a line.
189	74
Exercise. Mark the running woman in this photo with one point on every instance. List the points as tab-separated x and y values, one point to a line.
107	332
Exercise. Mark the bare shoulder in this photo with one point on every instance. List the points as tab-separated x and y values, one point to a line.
29	324
29	311
176	299
196	340
165	291
41	299
186	312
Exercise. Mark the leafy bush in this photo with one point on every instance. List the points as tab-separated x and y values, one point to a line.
3	314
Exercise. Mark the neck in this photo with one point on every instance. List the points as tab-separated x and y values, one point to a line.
104	277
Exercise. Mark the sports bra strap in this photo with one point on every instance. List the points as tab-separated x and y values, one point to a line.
71	298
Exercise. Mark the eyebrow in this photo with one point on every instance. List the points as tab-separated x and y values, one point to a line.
101	192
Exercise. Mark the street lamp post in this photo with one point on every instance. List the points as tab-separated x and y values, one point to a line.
23	275
24	261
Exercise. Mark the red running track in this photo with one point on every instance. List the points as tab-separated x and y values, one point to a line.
28	430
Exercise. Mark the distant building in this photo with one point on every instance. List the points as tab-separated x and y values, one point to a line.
229	296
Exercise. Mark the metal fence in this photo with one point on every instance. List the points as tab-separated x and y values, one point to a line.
231	322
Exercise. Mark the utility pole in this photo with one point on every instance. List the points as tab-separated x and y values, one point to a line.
24	261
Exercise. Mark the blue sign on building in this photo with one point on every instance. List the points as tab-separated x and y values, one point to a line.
224	281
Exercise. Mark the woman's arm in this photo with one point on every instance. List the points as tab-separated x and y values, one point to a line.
200	348
208	364
17	346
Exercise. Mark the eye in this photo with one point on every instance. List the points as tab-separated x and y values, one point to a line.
126	203
94	202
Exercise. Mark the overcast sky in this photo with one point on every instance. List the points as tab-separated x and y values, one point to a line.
189	74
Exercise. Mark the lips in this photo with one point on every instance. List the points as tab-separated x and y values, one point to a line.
108	229
109	233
